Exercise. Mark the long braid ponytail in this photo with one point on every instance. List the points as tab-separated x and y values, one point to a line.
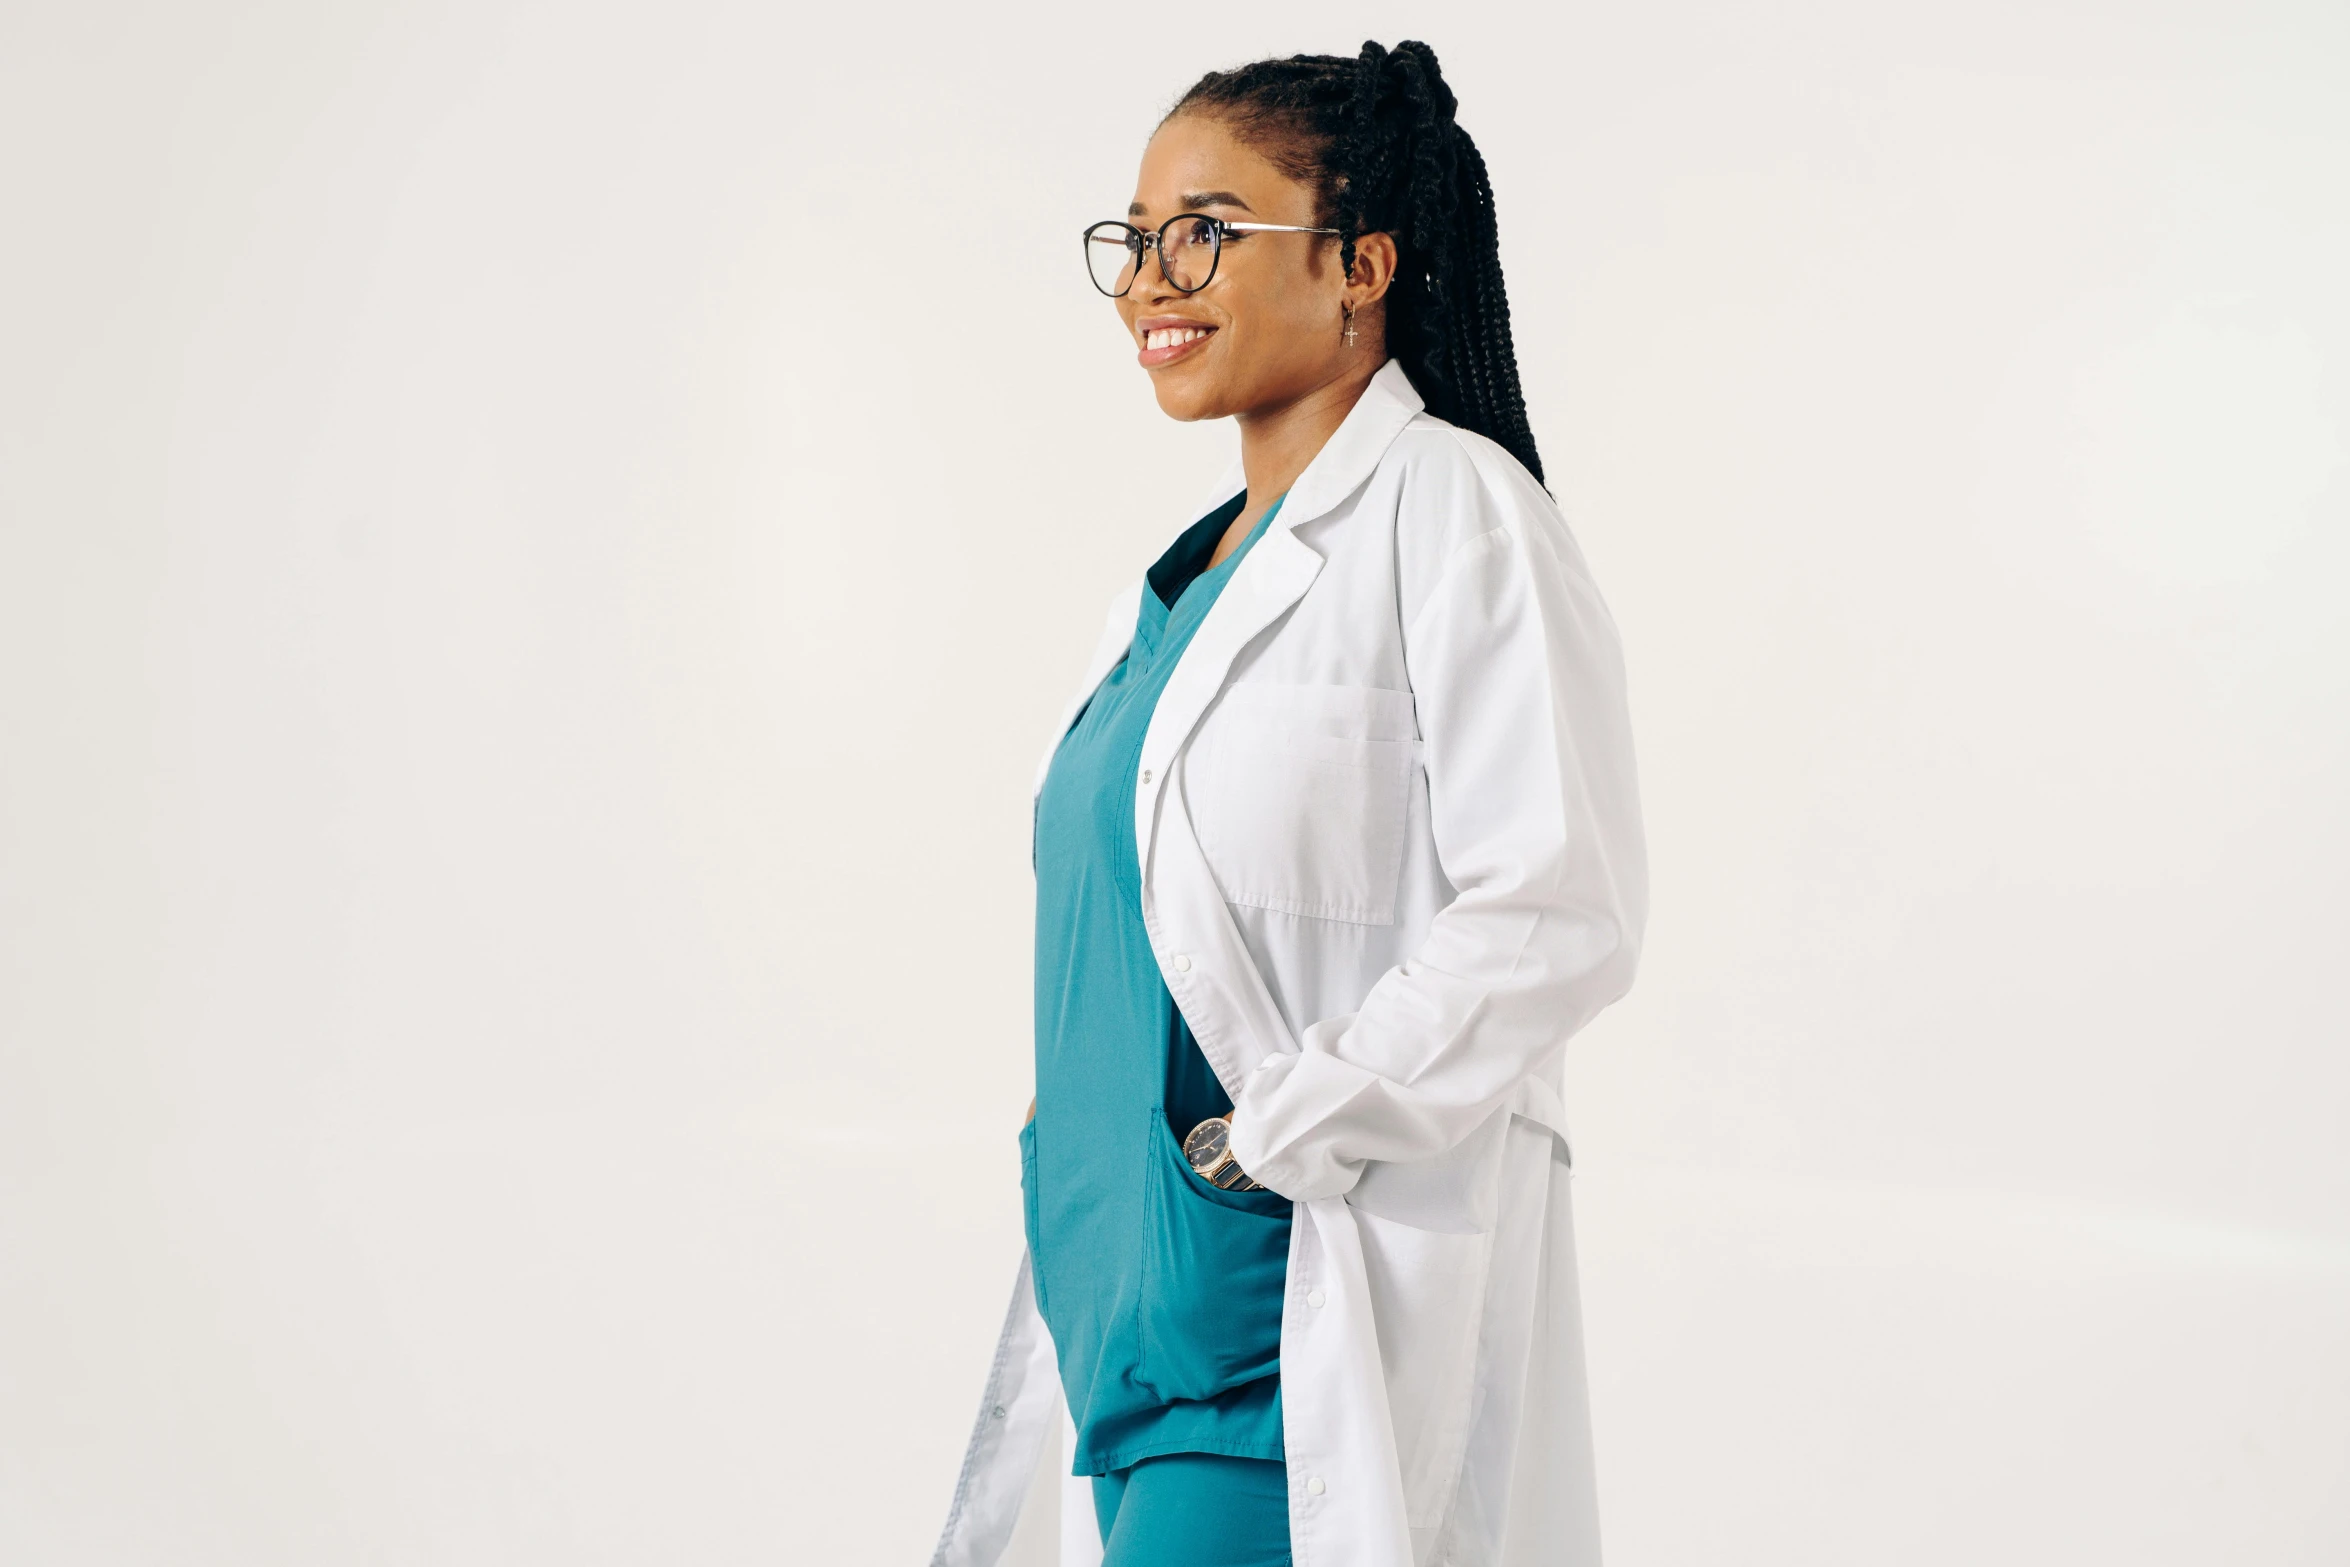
1375	135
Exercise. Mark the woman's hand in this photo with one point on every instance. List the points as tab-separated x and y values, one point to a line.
1031	1112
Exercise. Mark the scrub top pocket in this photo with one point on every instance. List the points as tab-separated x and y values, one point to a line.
1215	1265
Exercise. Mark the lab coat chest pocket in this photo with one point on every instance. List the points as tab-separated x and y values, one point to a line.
1300	796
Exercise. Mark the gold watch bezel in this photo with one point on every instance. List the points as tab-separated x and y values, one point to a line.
1222	1162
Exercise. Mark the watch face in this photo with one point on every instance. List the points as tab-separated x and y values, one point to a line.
1207	1144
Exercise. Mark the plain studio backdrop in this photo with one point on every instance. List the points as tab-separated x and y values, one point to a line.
539	545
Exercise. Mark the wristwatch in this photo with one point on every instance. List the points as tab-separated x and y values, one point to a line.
1209	1148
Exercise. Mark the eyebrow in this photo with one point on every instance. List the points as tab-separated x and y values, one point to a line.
1193	200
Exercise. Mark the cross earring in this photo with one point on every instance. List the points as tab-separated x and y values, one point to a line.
1350	324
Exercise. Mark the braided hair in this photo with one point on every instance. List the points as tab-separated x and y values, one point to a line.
1375	137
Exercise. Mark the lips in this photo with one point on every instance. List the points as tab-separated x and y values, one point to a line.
1166	339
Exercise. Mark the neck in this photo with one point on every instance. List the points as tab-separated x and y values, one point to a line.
1280	439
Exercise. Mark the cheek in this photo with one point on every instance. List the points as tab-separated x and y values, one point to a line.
1279	318
1287	326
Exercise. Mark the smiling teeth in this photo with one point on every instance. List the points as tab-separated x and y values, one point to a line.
1170	336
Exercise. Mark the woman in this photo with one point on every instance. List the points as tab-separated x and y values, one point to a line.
1337	844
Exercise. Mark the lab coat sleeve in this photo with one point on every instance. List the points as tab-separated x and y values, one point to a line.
1518	682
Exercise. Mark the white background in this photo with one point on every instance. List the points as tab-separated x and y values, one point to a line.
540	543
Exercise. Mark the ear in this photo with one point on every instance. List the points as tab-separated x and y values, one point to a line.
1374	270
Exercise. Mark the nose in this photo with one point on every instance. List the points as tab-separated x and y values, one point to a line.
1154	260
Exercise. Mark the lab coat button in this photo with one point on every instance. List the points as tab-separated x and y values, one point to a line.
1182	961
1315	1487
1316	1298
1146	775
999	1411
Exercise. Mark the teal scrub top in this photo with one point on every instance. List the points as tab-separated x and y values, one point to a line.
1163	1293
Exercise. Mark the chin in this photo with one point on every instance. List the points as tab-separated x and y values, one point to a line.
1189	398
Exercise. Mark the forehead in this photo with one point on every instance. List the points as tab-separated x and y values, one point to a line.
1193	155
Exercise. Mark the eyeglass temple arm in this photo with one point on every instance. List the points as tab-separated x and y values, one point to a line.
1277	228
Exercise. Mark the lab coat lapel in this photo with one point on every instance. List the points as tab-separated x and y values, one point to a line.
1275	574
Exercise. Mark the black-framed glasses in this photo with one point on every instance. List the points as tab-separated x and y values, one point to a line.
1189	246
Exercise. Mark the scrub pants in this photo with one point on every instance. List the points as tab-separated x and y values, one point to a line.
1194	1510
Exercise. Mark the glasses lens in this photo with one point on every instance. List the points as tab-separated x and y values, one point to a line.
1187	246
1110	249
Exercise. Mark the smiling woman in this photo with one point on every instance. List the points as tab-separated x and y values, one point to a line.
1335	846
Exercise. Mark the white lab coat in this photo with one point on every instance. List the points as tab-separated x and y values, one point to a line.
1392	859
